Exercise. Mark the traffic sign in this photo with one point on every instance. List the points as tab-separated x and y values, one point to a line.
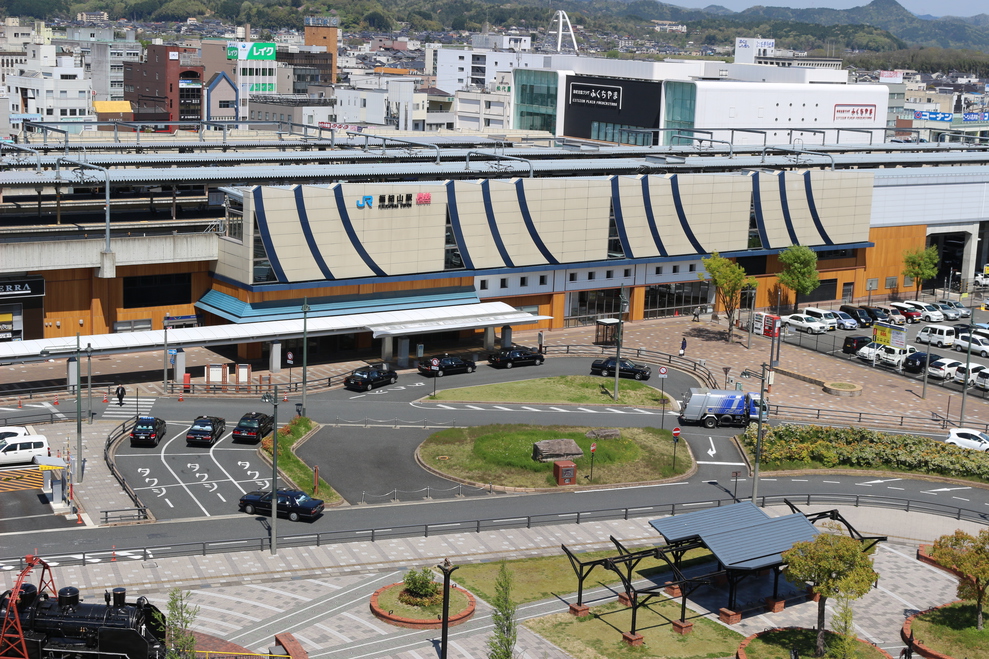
661	372
676	434
173	351
288	357
594	447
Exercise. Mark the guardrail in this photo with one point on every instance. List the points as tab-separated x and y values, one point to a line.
124	515
39	417
208	547
652	356
883	421
253	389
116	434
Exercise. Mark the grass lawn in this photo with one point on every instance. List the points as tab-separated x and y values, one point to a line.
600	633
777	645
389	602
578	389
540	578
502	454
293	467
951	631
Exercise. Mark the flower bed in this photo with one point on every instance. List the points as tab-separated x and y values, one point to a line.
385	606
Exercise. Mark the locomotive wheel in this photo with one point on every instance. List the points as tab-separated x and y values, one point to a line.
249	509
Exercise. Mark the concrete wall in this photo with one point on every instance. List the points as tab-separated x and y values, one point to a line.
65	254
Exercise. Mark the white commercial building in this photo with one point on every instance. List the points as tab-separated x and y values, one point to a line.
51	86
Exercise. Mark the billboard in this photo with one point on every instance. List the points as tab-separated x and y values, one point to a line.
246	50
933	116
891	76
854	112
889	335
599	107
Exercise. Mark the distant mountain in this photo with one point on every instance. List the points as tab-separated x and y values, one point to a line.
889	15
717	10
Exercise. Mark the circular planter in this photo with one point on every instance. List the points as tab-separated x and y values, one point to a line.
845	389
456	617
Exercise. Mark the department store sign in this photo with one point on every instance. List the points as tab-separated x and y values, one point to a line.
22	288
607	96
975	116
933	116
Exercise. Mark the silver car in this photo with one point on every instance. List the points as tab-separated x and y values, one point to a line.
949	312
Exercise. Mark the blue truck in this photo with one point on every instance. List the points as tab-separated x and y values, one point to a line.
720	407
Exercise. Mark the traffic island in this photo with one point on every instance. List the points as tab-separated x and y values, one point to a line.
386	606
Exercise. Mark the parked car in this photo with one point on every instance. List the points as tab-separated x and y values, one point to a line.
876	314
870	351
446	365
895	356
368	377
824	315
864	319
948	311
979	345
911	314
205	430
928	312
962	310
941	336
982	380
13	431
895	316
917	362
516	357
944	368
845	321
968	438
147	430
629	369
23	449
965	375
802	323
293	504
253	427
853	343
981	279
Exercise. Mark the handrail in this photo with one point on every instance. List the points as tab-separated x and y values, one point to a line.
654	356
220	546
115	435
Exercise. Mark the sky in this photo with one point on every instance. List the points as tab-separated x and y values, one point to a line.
942	8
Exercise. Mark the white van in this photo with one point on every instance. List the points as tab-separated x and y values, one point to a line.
22	450
928	312
823	315
941	336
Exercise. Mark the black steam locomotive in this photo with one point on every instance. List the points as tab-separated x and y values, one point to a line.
65	628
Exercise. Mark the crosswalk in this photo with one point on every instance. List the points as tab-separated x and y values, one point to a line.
132	407
482	407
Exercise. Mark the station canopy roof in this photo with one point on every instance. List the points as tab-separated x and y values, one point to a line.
381	323
741	536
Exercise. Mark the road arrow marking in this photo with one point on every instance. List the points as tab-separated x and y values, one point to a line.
887	480
713	450
945	489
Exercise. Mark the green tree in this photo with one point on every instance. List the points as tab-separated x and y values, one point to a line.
843	645
729	279
799	271
920	265
969	555
835	566
501	645
180	614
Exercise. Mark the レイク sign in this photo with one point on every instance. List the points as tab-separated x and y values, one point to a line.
246	50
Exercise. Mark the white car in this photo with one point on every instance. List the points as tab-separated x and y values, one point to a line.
979	344
965	376
870	351
944	368
928	312
13	431
845	321
968	438
803	323
895	356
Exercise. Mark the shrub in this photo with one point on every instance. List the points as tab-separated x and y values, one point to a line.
420	589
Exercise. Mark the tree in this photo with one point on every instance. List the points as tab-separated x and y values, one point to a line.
729	279
843	645
835	566
799	272
501	645
920	265
179	616
970	556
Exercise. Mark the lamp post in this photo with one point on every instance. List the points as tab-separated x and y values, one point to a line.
305	350
164	361
447	568
618	338
758	441
968	367
78	411
89	381
268	398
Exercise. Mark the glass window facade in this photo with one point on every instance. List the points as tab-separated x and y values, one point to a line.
585	307
667	299
620	134
535	108
681	101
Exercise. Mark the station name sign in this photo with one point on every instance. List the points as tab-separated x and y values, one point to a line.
22	288
608	96
387	201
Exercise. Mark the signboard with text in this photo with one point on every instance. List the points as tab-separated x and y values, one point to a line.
975	116
889	335
246	50
933	116
582	93
854	112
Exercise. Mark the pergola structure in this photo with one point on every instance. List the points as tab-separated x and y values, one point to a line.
743	539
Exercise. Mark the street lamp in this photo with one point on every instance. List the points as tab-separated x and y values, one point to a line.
78	412
618	338
267	397
305	349
164	360
447	568
758	441
968	368
89	380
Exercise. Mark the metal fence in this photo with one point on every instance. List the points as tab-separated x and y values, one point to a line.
208	547
697	367
140	512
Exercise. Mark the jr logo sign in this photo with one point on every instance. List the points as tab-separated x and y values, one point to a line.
365	201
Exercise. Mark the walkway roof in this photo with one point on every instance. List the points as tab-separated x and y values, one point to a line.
380	323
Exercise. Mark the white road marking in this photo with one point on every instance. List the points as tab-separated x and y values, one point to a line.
636	487
726	464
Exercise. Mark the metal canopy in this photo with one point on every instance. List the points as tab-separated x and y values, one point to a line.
391	323
713	520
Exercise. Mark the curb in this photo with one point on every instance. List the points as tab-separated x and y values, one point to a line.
414	623
741	654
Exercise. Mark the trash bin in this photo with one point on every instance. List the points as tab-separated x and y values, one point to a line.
298	409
